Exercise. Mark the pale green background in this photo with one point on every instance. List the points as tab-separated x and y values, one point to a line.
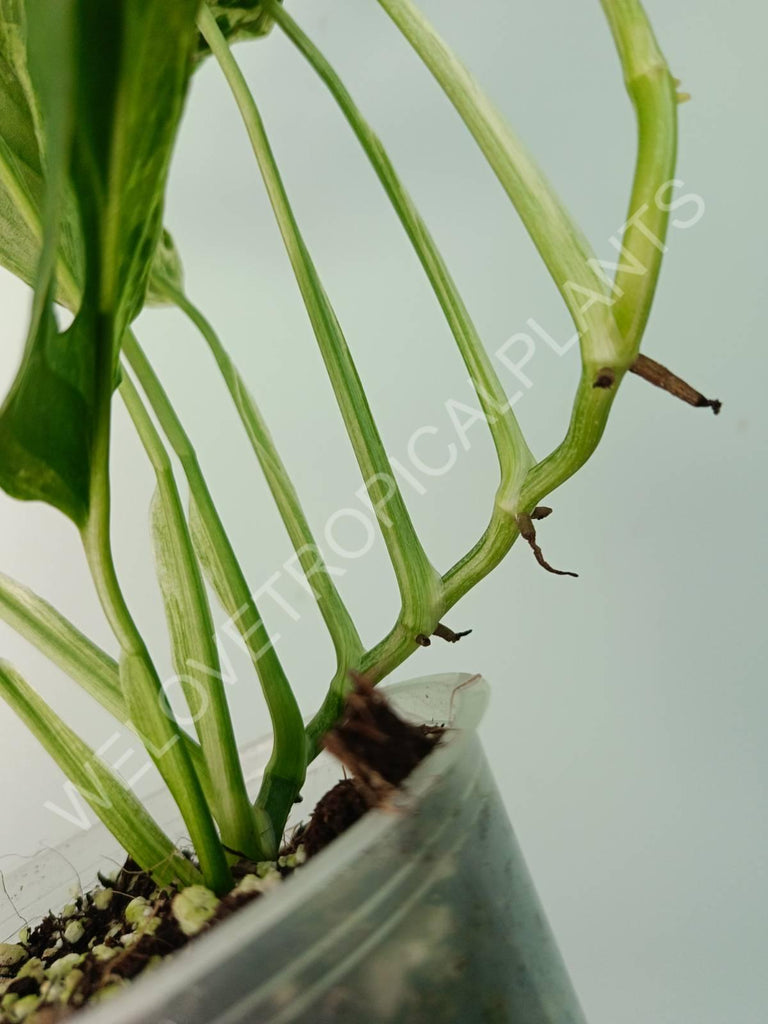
628	724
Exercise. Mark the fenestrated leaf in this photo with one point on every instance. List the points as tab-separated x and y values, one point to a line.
22	186
111	800
237	20
106	88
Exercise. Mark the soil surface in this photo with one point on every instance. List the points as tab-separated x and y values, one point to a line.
91	949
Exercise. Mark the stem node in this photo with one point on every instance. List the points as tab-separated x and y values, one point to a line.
605	378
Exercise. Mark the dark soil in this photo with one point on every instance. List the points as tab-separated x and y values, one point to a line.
379	749
337	811
94	946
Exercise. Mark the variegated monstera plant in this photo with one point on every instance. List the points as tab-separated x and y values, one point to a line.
91	96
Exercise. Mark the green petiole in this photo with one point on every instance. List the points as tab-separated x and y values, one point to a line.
285	772
419	583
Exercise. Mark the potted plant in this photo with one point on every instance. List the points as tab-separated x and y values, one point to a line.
423	908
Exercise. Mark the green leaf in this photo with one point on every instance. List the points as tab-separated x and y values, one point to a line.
109	798
56	637
109	84
131	72
47	421
22	186
110	92
76	655
237	20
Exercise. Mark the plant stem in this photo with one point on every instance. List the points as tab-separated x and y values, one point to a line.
419	584
651	88
284	775
562	245
341	628
609	342
652	91
194	646
513	453
141	686
588	419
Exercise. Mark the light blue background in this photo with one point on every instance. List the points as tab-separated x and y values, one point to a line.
628	724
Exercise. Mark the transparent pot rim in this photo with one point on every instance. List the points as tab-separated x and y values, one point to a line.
457	701
467	698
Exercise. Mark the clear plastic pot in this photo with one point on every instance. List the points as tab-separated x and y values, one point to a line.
423	911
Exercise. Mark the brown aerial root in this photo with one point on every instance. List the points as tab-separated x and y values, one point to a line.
663	378
541	512
528	533
445	633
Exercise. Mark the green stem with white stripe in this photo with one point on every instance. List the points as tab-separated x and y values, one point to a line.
143	694
419	584
344	635
653	93
191	631
512	450
284	775
561	244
